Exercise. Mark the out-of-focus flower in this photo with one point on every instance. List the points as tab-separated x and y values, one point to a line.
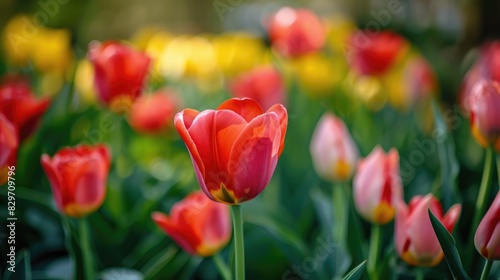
154	48
78	177
416	242
84	81
238	52
318	74
487	237
153	113
487	67
197	224
50	50
333	151
295	32
377	186
338	32
120	73
235	148
368	89
373	53
484	104
9	142
263	84
19	105
17	35
142	37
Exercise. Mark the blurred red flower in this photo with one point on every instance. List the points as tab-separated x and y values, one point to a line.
295	32
120	73
484	104
197	224
9	142
263	84
416	242
487	237
153	113
235	148
20	106
78	178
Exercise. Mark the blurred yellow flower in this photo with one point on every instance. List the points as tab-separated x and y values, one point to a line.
368	89
339	29
154	48
16	38
50	50
84	81
239	52
142	37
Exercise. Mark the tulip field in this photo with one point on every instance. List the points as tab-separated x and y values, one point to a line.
241	140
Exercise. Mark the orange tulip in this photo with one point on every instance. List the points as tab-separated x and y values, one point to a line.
120	73
19	105
296	32
487	237
153	113
484	101
263	84
373	53
377	186
8	147
235	148
78	177
197	224
333	151
416	242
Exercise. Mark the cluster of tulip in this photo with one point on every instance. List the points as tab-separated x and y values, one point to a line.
234	149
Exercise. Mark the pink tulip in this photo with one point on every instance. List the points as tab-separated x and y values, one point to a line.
416	242
487	238
333	151
377	186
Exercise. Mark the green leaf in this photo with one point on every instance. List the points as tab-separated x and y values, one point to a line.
121	274
356	272
449	248
22	268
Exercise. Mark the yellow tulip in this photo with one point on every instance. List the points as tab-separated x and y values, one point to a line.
50	50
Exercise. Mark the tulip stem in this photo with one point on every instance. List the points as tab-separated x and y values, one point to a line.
486	269
375	244
224	270
68	241
420	274
238	243
484	190
86	250
340	207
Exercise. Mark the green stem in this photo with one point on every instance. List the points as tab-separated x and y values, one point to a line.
484	190
340	212
224	270
238	243
68	242
86	249
486	269
420	274
375	244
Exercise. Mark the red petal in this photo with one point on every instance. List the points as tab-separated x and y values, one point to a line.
245	107
280	110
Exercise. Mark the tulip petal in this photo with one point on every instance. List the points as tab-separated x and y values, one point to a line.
89	186
401	230
254	156
182	236
451	217
55	180
245	107
183	121
280	110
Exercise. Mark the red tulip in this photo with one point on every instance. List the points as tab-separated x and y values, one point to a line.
235	148
373	53
78	178
20	107
8	147
416	242
197	224
120	73
295	32
484	102
487	237
420	79
377	186
264	84
153	113
333	151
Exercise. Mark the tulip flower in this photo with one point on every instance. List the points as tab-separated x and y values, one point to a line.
78	177
296	32
333	151
197	224
235	148
416	242
484	102
487	237
20	107
153	113
373	53
377	186
8	147
263	84
120	73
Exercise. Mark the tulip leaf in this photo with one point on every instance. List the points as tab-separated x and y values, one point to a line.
356	272
22	267
449	248
121	273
